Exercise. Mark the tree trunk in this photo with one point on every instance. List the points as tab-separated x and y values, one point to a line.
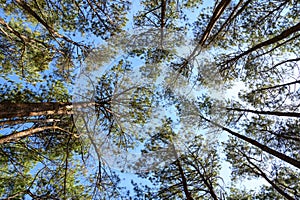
183	178
232	16
18	110
276	86
264	148
15	136
205	177
28	132
261	173
274	113
283	35
216	15
28	9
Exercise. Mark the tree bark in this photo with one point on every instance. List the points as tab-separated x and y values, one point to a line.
162	21
18	110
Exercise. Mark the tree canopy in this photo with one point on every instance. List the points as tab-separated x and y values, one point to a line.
162	99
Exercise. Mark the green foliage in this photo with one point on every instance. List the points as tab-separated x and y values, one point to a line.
37	34
172	171
43	45
36	167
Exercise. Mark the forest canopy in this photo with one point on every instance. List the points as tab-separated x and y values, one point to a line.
150	99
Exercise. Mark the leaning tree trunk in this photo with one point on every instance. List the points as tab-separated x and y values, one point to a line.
18	110
263	147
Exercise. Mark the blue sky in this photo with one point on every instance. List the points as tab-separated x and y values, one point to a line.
127	176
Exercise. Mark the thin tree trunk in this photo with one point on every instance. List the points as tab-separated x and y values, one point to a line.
276	86
28	132
281	63
162	21
206	180
216	15
261	173
274	113
183	178
273	40
98	16
232	16
28	9
15	136
264	148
